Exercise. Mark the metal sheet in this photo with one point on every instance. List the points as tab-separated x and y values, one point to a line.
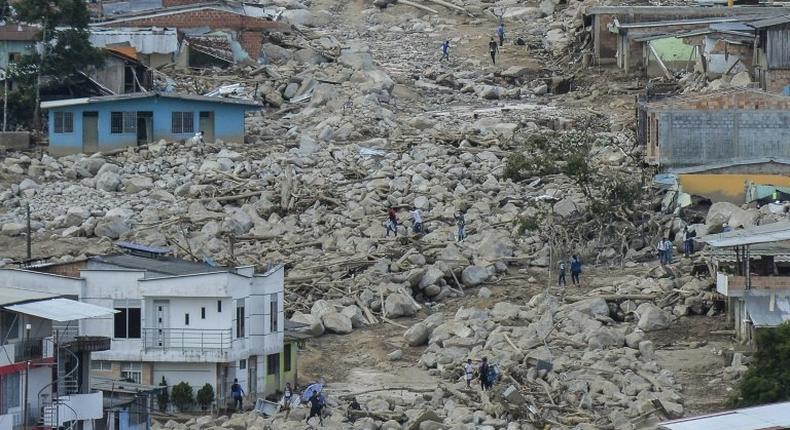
9	295
760	234
776	415
144	41
61	310
759	310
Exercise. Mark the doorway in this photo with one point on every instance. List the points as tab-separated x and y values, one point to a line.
162	322
145	127
90	132
207	125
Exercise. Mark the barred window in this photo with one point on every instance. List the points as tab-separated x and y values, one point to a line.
64	122
183	122
123	122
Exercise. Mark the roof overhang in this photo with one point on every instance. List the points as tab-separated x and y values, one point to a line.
761	234
61	310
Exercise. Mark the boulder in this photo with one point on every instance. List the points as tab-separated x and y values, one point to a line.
474	275
354	313
12	229
135	184
719	213
741	80
28	184
75	216
647	350
417	335
108	180
652	318
430	277
314	325
114	224
565	208
398	305
335	322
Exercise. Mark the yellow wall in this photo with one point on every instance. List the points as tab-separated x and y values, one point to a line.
726	188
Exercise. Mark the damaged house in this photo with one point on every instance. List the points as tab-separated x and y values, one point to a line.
153	46
224	33
772	54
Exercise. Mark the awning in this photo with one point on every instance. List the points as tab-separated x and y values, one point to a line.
748	236
61	310
767	310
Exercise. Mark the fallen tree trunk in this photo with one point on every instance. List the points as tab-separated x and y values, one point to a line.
418	6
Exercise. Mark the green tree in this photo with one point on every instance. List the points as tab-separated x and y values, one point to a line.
183	397
66	48
163	397
768	377
205	396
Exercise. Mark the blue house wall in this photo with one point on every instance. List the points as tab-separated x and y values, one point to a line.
228	122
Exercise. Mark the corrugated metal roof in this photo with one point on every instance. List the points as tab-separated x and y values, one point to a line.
774	416
162	265
132	96
10	295
144	41
20	32
770	22
765	314
61	310
760	234
121	7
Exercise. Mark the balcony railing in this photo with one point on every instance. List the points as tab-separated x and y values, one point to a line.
187	339
29	349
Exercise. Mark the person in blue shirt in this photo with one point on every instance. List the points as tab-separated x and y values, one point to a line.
500	31
576	270
445	50
236	393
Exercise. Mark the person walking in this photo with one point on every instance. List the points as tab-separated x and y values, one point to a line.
493	49
392	222
416	217
668	250
469	372
460	221
500	32
445	50
576	270
662	252
688	241
237	394
287	399
562	274
483	370
316	404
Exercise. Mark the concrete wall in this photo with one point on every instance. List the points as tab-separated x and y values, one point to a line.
692	138
727	187
8	47
228	122
15	140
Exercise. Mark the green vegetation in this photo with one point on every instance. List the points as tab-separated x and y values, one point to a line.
183	397
205	396
768	377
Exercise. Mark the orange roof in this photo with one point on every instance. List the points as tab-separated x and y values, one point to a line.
124	51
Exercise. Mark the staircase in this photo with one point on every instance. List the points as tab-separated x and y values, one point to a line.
66	384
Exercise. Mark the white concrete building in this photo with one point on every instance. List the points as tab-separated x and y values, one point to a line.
177	319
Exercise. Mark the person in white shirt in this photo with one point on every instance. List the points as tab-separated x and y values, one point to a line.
469	372
416	216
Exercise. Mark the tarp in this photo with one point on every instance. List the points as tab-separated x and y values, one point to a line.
767	310
310	390
61	310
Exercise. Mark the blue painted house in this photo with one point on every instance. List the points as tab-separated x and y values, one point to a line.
95	124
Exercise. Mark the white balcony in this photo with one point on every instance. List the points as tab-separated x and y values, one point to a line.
74	407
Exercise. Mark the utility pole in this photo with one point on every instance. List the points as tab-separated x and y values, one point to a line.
5	100
29	239
25	411
37	108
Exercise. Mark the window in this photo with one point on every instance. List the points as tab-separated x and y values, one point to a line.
183	122
101	365
64	122
272	364
287	357
132	371
274	314
9	325
202	313
186	319
242	364
219	306
123	122
127	322
240	319
11	391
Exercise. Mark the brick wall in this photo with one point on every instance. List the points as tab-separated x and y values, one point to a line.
251	41
777	80
741	100
171	3
207	17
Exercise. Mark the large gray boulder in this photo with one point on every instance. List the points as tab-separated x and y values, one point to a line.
335	322
314	325
430	277
75	216
108	180
474	275
417	335
720	213
652	318
355	315
114	224
398	305
135	184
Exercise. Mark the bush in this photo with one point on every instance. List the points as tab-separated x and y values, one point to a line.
163	397
205	396
183	397
768	378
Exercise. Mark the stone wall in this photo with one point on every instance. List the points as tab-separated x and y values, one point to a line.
693	138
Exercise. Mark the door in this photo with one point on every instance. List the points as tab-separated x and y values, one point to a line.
207	126
162	322
145	127
252	374
90	132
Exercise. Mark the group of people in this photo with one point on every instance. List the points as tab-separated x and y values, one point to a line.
392	223
665	246
493	47
486	372
576	271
